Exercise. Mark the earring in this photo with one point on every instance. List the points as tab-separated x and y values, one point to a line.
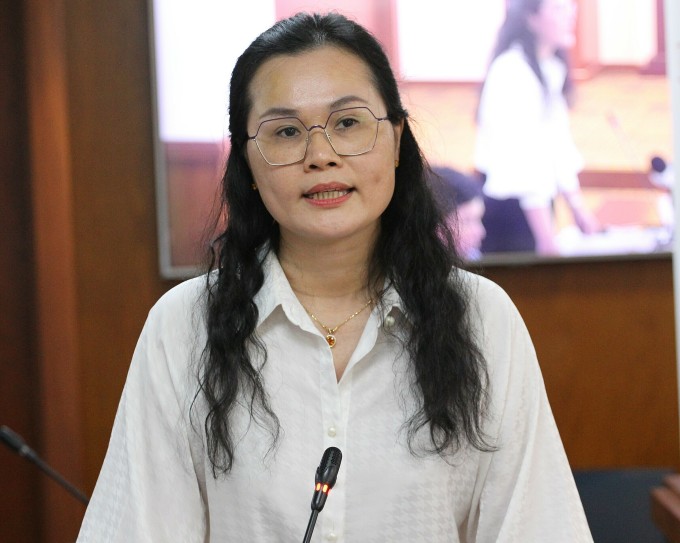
396	163
253	186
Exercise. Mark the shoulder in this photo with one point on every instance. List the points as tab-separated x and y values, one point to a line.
188	291
510	63
181	306
173	335
484	295
495	320
511	81
501	334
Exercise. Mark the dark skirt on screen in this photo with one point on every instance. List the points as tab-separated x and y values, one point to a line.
507	229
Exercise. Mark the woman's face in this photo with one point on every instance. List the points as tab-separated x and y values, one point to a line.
324	196
554	24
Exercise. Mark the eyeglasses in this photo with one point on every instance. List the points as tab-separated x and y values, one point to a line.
351	132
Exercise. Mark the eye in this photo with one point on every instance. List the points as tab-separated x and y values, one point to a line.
346	123
287	132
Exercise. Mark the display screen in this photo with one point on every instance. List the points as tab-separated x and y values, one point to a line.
619	120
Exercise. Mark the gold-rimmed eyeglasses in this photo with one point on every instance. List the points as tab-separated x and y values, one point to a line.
351	131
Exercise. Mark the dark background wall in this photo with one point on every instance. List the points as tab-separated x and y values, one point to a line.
78	269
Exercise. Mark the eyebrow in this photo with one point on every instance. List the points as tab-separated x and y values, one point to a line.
336	104
347	100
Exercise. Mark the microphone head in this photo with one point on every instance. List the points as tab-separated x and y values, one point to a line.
326	476
327	472
658	164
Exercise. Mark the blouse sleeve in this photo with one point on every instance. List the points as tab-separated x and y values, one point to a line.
149	485
527	489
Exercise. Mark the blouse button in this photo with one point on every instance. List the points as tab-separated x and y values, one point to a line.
332	536
389	321
332	431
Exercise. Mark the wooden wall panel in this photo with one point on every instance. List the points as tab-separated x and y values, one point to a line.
95	235
19	481
113	178
54	247
604	334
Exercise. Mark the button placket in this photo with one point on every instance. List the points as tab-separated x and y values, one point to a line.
336	411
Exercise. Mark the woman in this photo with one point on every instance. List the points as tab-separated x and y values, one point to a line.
524	146
334	315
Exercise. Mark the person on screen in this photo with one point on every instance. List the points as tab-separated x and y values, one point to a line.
524	148
334	313
462	202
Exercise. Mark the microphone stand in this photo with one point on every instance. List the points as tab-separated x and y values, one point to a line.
310	526
15	442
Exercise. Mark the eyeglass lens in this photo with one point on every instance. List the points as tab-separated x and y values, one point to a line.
350	132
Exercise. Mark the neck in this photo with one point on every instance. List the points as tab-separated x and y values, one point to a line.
330	270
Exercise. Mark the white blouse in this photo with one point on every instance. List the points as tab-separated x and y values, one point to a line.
156	483
524	143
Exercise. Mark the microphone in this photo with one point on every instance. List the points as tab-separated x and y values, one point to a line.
660	173
324	479
658	164
15	442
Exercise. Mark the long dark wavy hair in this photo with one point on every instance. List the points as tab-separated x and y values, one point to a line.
515	30
414	253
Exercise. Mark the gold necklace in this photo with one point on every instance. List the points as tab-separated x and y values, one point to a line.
330	332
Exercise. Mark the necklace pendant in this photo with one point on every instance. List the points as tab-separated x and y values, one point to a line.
330	339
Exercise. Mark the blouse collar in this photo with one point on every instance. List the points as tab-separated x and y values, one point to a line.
276	291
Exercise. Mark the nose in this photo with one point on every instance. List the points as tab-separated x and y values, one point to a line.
320	152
